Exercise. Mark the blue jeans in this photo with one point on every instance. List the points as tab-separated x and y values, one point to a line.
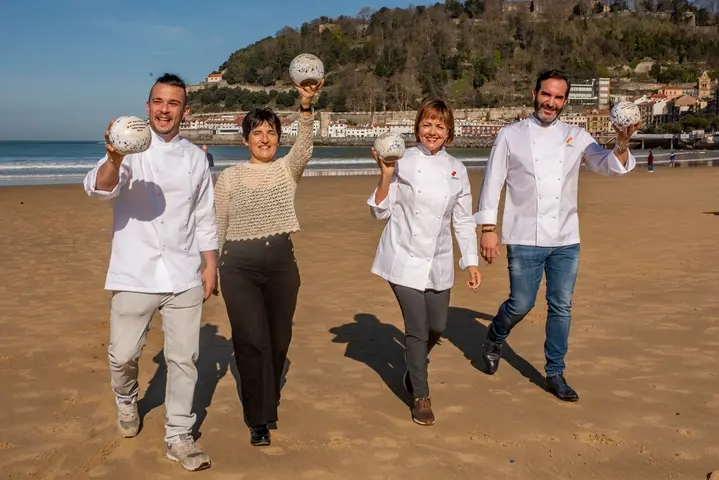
526	265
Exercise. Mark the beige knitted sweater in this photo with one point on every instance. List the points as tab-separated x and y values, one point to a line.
254	200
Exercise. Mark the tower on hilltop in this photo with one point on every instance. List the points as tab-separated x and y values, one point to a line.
704	85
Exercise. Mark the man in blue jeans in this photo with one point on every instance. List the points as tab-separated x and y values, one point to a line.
539	160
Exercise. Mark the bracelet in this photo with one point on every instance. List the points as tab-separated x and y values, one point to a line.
489	230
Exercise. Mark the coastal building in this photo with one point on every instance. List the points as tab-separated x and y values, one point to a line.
598	121
214	78
575	119
291	127
604	92
474	128
704	86
583	93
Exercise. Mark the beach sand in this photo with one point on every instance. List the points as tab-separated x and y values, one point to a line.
643	351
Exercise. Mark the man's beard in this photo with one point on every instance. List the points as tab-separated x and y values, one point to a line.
538	115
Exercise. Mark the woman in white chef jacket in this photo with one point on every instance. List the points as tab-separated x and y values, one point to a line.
419	195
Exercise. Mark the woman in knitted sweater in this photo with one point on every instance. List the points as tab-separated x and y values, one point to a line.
255	208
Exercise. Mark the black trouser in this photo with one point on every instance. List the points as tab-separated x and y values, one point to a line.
425	318
260	280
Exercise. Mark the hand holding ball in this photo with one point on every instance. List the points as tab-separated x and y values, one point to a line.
625	114
307	70
128	135
389	147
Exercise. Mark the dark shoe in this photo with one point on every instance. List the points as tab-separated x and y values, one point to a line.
557	385
260	436
407	383
491	352
422	411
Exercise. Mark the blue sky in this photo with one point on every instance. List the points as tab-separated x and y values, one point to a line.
67	67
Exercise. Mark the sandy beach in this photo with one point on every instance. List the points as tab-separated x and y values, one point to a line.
643	351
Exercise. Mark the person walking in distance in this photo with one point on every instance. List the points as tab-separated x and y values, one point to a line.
210	158
538	159
672	158
650	162
422	196
164	257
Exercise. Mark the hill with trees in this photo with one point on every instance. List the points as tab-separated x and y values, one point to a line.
475	53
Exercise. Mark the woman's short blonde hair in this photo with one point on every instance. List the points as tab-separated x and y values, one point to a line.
434	108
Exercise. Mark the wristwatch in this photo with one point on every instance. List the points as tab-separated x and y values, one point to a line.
310	109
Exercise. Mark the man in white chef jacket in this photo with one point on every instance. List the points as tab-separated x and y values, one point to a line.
538	159
164	231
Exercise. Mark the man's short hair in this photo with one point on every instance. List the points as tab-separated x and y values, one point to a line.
552	74
257	117
172	80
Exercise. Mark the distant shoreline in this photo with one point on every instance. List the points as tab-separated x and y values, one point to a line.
235	140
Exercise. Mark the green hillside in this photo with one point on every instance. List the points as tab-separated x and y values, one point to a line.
472	53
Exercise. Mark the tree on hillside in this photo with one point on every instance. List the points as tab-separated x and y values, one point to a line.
460	49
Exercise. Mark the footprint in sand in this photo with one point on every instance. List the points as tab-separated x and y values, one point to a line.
686	456
685	432
453	409
317	475
622	393
594	439
273	451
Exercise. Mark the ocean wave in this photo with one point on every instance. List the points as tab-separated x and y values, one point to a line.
224	163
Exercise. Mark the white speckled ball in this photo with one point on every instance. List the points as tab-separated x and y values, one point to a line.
389	146
624	114
306	69
130	135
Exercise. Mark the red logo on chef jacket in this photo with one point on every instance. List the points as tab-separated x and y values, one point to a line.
454	176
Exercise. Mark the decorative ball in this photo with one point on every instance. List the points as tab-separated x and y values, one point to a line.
624	114
389	146
306	69
130	135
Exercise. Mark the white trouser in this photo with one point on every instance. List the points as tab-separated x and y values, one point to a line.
130	317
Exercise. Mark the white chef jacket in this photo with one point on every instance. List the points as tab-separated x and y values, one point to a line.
415	249
540	166
163	217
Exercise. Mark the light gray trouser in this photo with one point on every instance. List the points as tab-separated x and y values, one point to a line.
130	317
425	318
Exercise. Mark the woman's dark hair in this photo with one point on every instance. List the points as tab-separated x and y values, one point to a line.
552	74
257	117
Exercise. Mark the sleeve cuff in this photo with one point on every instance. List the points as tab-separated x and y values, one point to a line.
91	187
486	217
209	246
469	261
382	205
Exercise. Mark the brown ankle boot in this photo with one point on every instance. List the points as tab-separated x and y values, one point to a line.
422	411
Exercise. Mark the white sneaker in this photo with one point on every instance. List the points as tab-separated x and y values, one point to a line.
183	449
128	419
